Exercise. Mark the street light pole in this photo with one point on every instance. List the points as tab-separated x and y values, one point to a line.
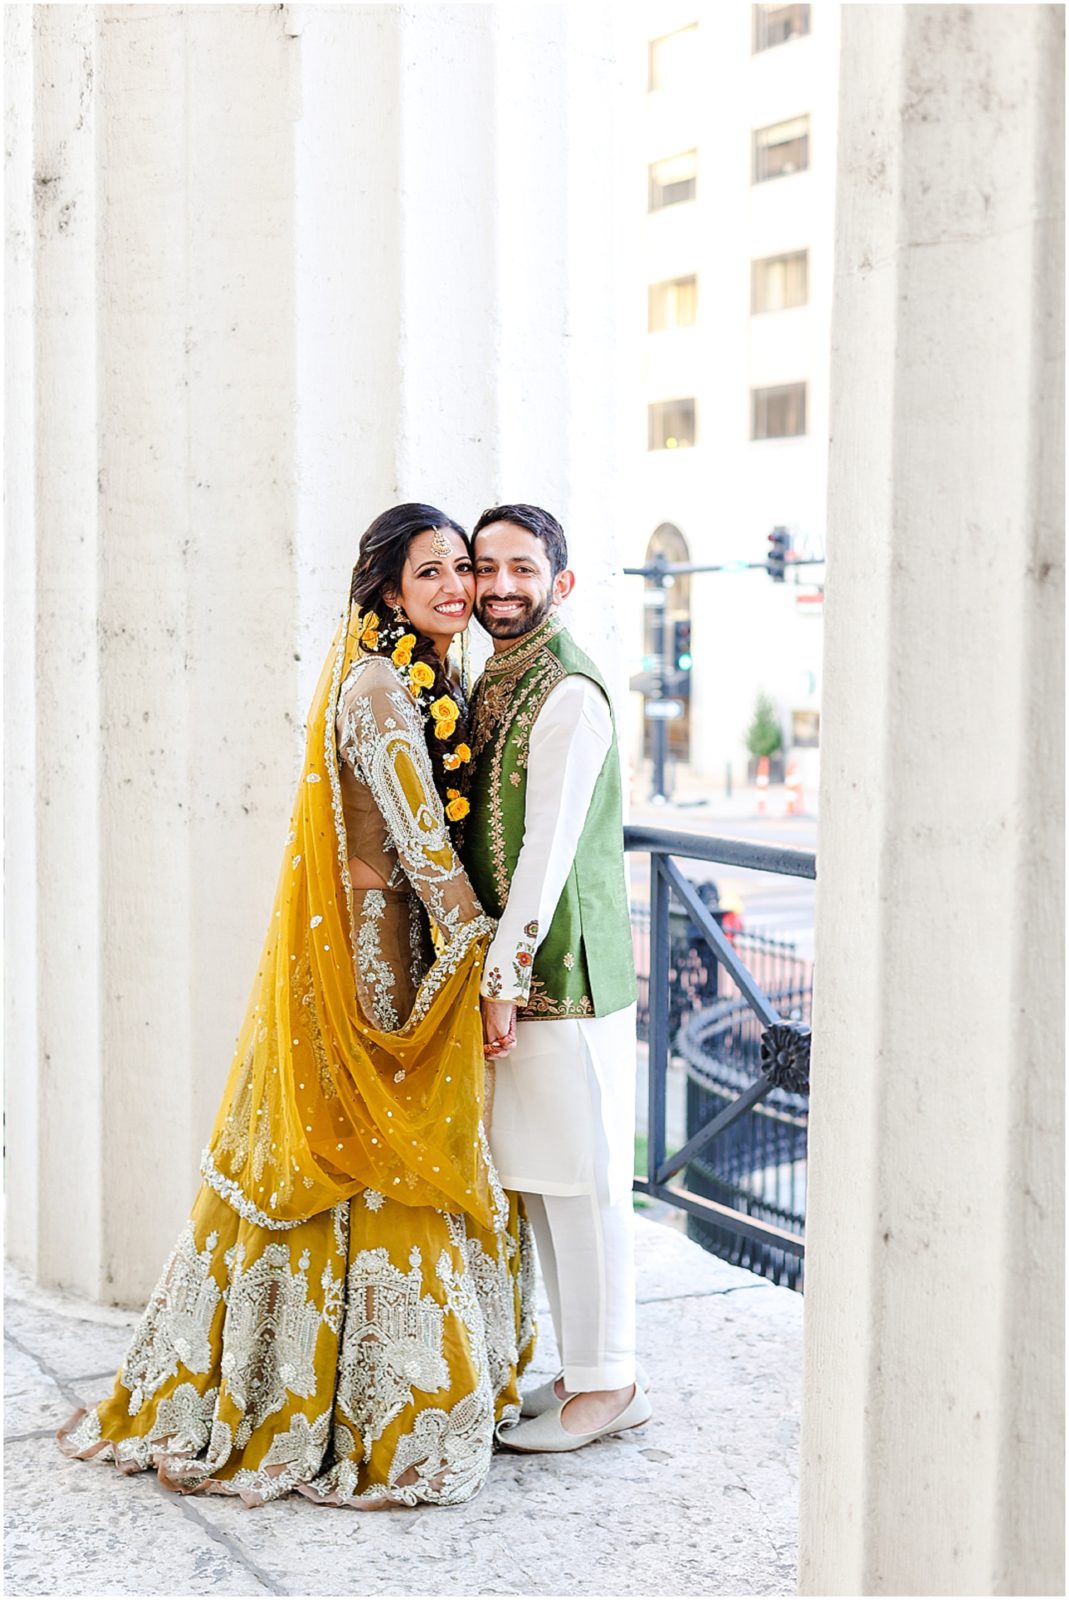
656	598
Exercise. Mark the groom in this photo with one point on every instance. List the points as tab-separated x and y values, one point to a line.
544	849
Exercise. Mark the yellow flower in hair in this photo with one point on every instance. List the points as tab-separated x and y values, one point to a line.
456	758
369	631
401	655
457	807
420	676
444	730
445	710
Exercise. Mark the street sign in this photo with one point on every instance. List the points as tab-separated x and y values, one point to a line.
653	599
664	710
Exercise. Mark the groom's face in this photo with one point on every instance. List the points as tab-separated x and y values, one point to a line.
514	587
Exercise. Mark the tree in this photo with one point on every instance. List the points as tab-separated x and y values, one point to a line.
764	736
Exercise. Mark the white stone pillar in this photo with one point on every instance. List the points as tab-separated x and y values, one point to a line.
150	548
932	1445
66	918
20	778
460	214
281	281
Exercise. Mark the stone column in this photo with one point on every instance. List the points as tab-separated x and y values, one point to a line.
20	830
283	276
58	610
152	574
932	1448
459	213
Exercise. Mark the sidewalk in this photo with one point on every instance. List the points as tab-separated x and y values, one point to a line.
694	809
699	1501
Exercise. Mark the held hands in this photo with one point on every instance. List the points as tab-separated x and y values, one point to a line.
499	1028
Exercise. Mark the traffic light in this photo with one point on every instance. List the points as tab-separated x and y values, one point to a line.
779	542
681	656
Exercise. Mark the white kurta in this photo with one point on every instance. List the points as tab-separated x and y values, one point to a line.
564	1107
564	1101
563	1124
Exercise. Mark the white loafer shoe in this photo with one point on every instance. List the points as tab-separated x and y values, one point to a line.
548	1432
544	1398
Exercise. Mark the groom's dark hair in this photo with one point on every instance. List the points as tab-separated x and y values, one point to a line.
541	523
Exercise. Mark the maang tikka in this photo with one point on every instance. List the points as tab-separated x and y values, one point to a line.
440	545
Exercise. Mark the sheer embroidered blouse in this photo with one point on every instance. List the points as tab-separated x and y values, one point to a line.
394	822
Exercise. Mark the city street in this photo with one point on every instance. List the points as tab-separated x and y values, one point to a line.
772	904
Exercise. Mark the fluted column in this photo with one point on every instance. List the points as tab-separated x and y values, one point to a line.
20	559
932	1458
283	274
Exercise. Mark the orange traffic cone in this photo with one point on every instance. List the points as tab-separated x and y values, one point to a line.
762	785
793	786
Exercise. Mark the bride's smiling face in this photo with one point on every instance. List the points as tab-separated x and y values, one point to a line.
437	591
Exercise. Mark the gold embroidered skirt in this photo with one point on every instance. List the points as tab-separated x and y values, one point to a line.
361	1358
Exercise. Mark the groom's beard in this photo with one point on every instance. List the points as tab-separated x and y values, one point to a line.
524	621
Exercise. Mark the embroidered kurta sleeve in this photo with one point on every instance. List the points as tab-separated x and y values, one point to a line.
381	736
571	737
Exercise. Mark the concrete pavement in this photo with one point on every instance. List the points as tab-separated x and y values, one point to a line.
702	1500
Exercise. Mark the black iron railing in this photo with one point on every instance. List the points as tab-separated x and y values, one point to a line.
734	1008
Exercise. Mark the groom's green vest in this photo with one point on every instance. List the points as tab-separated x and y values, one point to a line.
585	965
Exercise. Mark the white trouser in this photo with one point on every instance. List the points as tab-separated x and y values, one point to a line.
586	1250
562	1133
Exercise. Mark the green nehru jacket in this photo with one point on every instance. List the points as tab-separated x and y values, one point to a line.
584	966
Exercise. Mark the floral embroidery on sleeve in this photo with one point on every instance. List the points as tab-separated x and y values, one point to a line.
523	960
494	985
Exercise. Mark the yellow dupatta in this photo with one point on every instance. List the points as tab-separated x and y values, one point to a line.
319	1103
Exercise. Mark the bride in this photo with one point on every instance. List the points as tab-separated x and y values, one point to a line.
349	1306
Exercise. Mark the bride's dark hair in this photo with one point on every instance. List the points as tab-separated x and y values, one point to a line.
379	564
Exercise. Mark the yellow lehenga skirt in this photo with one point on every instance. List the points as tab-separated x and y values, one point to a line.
362	1358
310	1331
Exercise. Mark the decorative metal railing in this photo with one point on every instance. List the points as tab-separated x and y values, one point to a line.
736	1010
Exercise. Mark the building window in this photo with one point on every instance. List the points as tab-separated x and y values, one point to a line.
673	304
672	59
780	149
776	24
778	413
673	180
663	626
671	424
779	282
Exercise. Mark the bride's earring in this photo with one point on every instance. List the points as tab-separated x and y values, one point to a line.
399	615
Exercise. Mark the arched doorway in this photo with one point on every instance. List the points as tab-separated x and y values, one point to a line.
666	631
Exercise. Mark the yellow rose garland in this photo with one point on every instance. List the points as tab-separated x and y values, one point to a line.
456	758
443	713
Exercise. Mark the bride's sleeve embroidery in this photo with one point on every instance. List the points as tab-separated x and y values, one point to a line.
381	737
